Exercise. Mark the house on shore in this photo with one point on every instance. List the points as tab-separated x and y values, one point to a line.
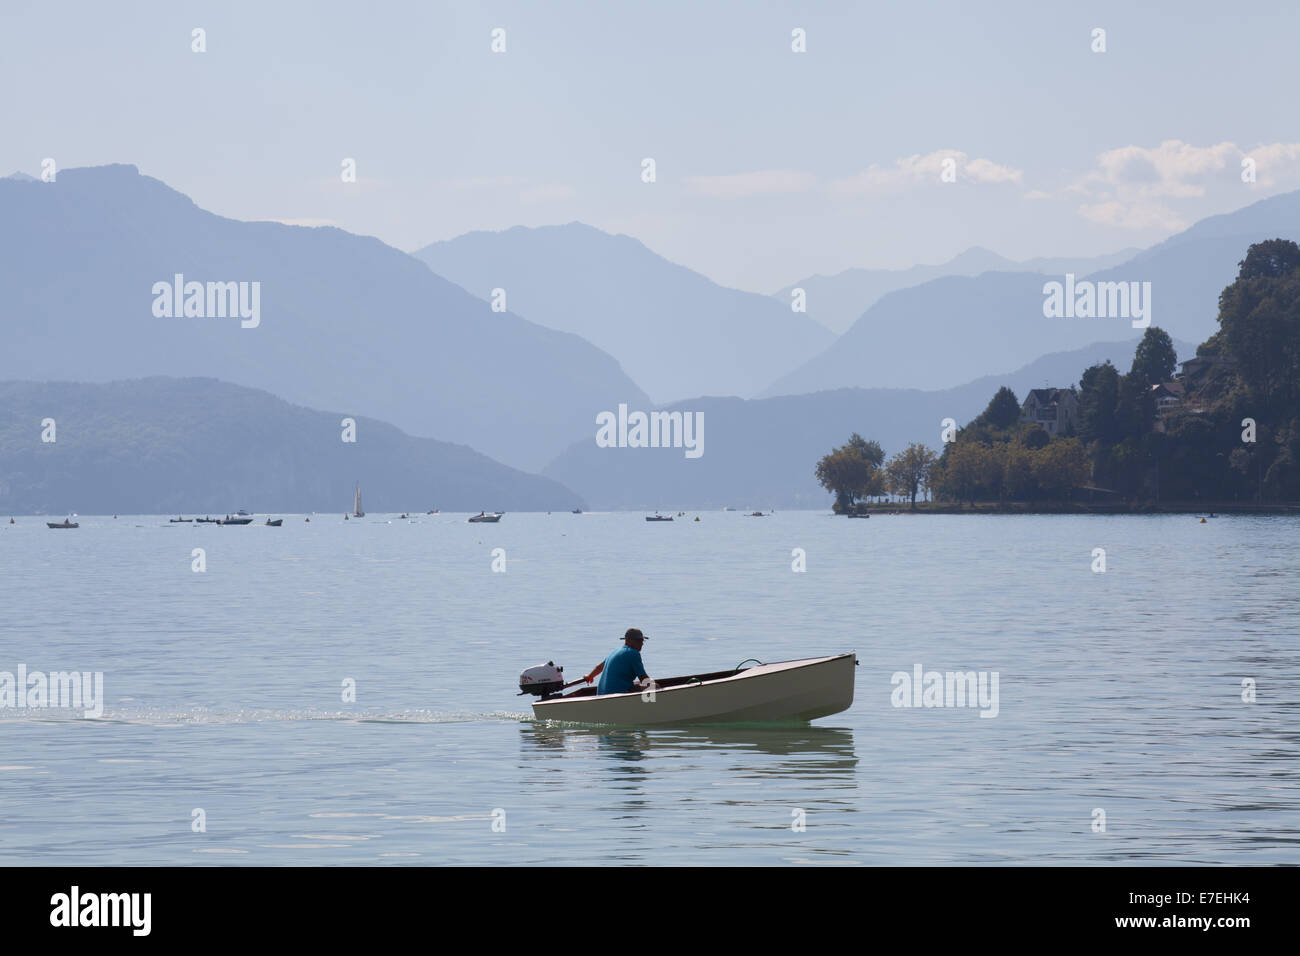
1056	410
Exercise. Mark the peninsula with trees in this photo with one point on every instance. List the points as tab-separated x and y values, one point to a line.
1221	433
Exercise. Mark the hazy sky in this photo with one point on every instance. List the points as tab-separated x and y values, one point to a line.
771	164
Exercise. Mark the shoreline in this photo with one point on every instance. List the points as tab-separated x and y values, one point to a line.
1081	508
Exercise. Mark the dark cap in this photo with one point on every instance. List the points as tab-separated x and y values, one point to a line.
634	633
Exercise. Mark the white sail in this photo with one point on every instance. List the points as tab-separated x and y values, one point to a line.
356	504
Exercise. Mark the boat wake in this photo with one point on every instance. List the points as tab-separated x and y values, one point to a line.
205	717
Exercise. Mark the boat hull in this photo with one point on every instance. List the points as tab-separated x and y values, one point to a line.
788	691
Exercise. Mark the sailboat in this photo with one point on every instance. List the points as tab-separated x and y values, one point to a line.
356	504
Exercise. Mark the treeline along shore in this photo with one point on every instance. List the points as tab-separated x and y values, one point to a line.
1221	434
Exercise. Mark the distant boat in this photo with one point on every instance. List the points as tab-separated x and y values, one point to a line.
357	511
236	520
207	521
756	514
484	516
178	520
406	516
274	524
577	511
433	512
658	517
65	523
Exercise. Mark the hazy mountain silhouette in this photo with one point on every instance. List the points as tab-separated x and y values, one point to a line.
674	331
158	445
346	322
954	328
1189	270
837	301
761	453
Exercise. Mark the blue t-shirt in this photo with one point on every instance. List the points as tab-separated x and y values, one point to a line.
622	667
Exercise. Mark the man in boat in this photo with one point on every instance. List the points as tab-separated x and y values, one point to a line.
619	672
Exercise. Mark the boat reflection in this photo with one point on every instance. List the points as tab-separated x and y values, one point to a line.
814	751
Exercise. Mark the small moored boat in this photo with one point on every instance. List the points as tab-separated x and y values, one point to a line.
65	523
658	517
235	520
484	516
785	691
276	523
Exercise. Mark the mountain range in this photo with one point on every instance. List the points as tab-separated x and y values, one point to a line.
957	327
345	322
675	332
761	453
158	445
838	300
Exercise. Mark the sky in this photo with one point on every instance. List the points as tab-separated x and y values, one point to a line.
770	164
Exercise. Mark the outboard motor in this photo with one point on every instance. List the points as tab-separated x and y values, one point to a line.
541	680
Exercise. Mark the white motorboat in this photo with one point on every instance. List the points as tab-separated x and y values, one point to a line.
785	691
484	516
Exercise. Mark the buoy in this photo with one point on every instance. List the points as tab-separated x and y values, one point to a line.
1202	521
308	520
697	517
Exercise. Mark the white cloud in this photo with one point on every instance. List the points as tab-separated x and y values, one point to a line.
1136	216
1131	185
1277	161
916	170
743	185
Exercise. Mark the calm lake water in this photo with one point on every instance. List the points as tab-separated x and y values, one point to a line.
1118	691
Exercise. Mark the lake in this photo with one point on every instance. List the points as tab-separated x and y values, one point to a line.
1120	736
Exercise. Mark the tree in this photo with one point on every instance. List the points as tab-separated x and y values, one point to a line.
852	472
962	470
1259	319
869	451
1003	409
1155	359
1098	398
909	469
1272	259
1033	435
1061	467
1018	472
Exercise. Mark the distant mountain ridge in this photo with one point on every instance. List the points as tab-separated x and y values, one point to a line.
675	332
837	301
159	445
761	453
954	328
345	321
